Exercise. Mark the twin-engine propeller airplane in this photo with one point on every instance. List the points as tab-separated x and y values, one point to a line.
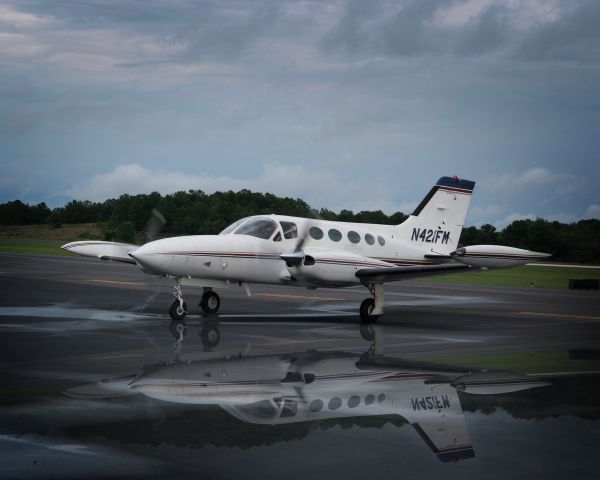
312	253
312	386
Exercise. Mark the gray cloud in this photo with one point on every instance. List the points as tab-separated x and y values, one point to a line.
386	96
488	32
573	37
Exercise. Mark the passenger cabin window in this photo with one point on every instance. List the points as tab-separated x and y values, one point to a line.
381	240
335	235
258	227
353	236
290	230
369	239
316	405
316	233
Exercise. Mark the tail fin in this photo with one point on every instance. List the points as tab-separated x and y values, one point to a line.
438	220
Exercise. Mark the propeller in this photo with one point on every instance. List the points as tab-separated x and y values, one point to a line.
155	224
297	379
295	257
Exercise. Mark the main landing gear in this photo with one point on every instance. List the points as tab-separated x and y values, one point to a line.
372	308
210	335
209	303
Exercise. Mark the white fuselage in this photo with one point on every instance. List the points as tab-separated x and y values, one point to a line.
239	257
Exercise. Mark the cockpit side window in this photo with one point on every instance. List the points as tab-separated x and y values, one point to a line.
233	226
289	408
258	227
290	230
277	237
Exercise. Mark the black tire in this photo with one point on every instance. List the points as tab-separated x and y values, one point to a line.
366	331
175	326
210	302
366	307
176	312
211	336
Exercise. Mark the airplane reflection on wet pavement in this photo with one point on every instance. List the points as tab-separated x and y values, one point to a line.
315	385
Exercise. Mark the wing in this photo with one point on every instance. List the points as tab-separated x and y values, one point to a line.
393	274
117	252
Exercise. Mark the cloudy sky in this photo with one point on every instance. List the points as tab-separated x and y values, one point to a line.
346	104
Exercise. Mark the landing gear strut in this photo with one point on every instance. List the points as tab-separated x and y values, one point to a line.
210	301
178	309
371	308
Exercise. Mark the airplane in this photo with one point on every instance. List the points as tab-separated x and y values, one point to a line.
285	388
312	253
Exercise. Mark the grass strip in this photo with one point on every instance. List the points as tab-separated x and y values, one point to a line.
41	247
525	276
546	361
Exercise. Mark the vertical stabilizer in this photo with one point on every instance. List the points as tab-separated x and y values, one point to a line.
437	222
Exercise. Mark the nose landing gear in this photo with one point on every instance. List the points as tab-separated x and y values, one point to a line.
209	303
178	309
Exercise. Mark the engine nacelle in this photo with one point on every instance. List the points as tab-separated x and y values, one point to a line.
321	266
496	256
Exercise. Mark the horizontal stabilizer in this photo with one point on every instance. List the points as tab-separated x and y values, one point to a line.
496	256
496	382
114	251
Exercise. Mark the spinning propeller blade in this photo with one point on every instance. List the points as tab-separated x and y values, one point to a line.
155	224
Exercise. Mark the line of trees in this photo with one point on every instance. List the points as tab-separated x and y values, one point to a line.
194	212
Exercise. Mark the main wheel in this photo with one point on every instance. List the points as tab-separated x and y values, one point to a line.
178	312
366	307
210	302
367	332
210	337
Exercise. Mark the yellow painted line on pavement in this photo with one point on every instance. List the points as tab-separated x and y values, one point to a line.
293	297
291	342
558	315
116	282
109	357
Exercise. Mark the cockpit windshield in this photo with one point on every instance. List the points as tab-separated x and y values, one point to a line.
233	226
258	227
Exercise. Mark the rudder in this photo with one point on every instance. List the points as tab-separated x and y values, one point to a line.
438	220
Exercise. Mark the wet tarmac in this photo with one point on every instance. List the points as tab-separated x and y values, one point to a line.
285	383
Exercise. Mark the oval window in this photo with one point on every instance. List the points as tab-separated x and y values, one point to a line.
369	239
353	401
316	405
334	403
335	235
369	399
381	240
316	233
380	398
353	236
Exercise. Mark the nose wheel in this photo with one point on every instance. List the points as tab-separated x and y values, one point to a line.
178	309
